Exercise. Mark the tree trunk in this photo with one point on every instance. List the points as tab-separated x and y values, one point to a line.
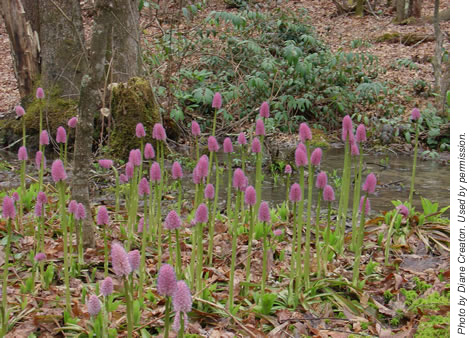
441	81
360	8
24	45
401	15
414	8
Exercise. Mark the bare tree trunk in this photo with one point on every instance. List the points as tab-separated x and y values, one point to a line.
414	8
441	81
24	45
360	8
401	15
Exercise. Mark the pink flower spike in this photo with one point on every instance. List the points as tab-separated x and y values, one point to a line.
260	129
177	171
209	191
143	187
72	123
22	154
288	169
295	194
44	138
172	221
217	101
182	298
19	111
354	149
119	260
94	305
158	132
72	209
202	167
80	213
41	198
141	225
177	324
264	212
149	151
347	127
367	205
370	183
201	215
8	208
361	135
301	157
213	144
250	195
135	157
129	170
239	179
38	158
123	178
40	93
195	176
38	209
102	216
415	114
304	132
61	135
40	256
166	281
403	210
15	196
242	139
106	287
140	132
256	145
195	128
57	171
264	110
316	156
155	172
328	193
321	180
278	232
134	258
106	164
227	145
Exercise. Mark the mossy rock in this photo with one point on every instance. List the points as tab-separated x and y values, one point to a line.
131	103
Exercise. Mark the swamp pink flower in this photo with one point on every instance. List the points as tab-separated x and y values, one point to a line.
316	156
227	145
264	110
106	286
38	158
15	196
61	135
300	157
57	171
176	324
166	281
123	178
22	154
239	179
201	215
415	114
250	195
195	128
264	212
209	191
256	145
361	135
328	193
278	232
39	257
39	93
44	138
141	225
370	183
72	208
94	305
347	127
143	187
172	221
182	298
106	164
19	111
149	151
295	194
158	132
177	171
140	132
155	172
129	170
367	204
135	157
242	138
8	208
41	198
102	216
134	258
213	144
354	149
260	129
288	169
72	123
38	209
202	167
195	176
304	132
321	180
403	210
119	260
217	101
80	213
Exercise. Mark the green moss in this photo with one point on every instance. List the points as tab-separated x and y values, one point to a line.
132	102
434	327
319	139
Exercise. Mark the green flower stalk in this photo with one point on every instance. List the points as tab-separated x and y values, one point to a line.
321	181
228	149
288	172
216	104
9	213
295	197
360	138
415	116
403	210
301	160
143	191
328	196
201	218
250	200
234	233
196	133
264	217
103	220
211	230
